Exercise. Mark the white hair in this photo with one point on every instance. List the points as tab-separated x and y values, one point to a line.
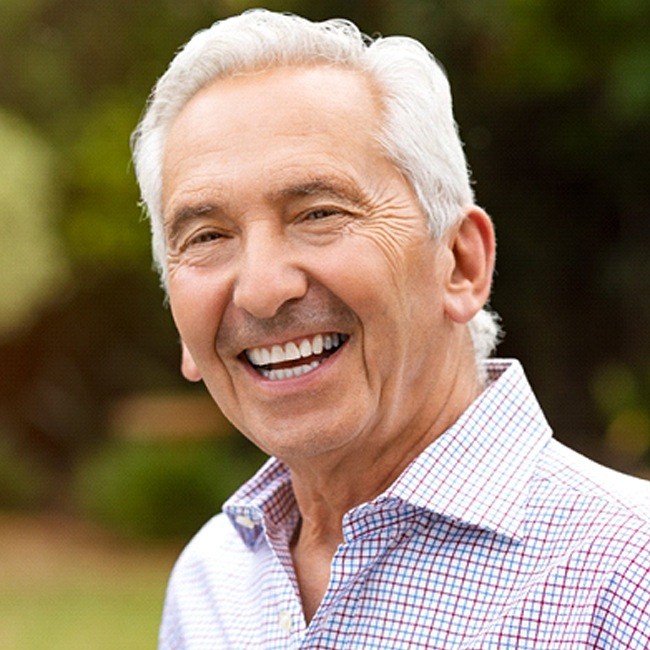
418	133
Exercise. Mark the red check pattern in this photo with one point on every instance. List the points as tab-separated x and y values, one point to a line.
495	537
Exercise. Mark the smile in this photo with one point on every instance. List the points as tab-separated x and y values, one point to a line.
294	358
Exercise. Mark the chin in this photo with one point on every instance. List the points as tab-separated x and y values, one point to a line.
293	442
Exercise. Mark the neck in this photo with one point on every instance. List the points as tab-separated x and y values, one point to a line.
328	487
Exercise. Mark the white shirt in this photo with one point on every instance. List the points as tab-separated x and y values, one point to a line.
496	536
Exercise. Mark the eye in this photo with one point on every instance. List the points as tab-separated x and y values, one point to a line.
321	213
204	237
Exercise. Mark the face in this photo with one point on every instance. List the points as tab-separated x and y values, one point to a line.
307	291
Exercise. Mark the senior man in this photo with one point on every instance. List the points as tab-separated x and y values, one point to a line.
327	271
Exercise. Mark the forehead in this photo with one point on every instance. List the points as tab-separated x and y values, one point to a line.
322	88
277	118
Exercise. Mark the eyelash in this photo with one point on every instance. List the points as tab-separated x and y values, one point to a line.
322	213
203	238
212	235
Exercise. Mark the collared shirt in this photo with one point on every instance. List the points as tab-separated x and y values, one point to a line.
496	536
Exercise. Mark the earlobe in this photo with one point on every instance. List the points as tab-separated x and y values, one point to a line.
472	247
188	367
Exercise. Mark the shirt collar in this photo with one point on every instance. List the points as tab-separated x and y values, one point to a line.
479	470
476	473
266	501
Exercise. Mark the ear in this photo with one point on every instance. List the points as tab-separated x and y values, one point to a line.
188	367
472	246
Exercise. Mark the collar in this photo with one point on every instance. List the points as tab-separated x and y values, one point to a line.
477	472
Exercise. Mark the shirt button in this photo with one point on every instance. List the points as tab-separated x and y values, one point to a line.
284	621
245	521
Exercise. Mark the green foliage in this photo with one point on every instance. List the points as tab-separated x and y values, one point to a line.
624	398
31	262
553	102
163	489
101	226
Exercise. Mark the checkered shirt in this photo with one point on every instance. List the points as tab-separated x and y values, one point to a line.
496	536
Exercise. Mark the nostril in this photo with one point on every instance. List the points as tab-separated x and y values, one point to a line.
262	294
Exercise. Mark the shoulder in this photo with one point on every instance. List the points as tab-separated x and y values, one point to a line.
598	488
596	516
594	523
593	516
217	540
214	570
188	596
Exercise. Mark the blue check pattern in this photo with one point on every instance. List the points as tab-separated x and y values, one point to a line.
496	536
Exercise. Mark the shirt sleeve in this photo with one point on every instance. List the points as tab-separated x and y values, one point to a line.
170	636
191	616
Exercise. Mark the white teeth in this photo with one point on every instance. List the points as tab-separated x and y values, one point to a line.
277	354
288	373
291	352
305	348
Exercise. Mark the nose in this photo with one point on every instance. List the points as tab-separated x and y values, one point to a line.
268	275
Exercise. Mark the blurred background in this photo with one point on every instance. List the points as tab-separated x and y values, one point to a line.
108	460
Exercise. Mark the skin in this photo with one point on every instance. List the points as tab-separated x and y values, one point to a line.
285	219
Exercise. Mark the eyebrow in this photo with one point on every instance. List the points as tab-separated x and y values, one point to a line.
321	186
184	214
313	187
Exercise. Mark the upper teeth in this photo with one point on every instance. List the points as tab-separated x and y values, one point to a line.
293	349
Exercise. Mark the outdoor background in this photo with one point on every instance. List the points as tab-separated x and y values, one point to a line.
108	461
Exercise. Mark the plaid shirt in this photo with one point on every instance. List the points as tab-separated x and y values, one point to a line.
496	536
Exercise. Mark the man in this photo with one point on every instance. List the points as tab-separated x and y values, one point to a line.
327	271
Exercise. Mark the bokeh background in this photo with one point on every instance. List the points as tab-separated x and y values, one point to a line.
108	461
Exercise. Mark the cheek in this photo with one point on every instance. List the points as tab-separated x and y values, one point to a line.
356	273
360	275
383	276
197	303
